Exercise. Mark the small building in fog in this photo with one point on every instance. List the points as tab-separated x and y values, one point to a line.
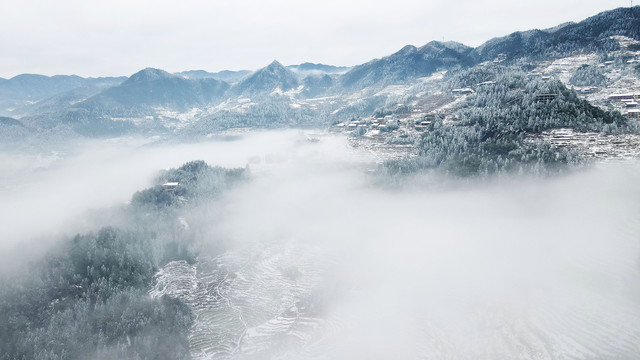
170	185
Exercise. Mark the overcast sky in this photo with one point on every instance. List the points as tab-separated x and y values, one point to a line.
120	37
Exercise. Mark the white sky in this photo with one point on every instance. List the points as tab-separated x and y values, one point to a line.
120	37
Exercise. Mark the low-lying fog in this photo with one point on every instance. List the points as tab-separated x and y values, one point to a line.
51	186
504	268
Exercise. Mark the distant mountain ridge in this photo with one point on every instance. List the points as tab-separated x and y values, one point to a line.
591	34
25	89
154	87
409	62
278	94
225	75
7	121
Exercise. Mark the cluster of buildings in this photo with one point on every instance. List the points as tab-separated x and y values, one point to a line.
630	102
374	123
416	121
538	75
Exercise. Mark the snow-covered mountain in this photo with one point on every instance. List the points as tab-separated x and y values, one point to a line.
418	78
28	89
264	81
410	62
154	87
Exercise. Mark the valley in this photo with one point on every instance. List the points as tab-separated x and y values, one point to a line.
444	201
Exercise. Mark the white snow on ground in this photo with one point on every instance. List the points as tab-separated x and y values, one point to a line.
277	91
564	68
176	120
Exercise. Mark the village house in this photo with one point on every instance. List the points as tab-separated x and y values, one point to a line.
170	185
621	97
463	91
545	98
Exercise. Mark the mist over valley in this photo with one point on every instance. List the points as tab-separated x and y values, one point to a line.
442	202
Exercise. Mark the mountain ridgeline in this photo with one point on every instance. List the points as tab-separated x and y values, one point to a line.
410	62
426	81
153	87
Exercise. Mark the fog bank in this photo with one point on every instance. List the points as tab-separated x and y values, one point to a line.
510	268
322	261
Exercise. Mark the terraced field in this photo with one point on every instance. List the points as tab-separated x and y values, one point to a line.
272	302
248	304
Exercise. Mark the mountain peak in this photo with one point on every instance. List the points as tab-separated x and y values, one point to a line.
274	69
149	74
441	45
267	79
407	49
275	64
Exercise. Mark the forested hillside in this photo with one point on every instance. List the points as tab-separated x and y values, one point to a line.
88	297
490	130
